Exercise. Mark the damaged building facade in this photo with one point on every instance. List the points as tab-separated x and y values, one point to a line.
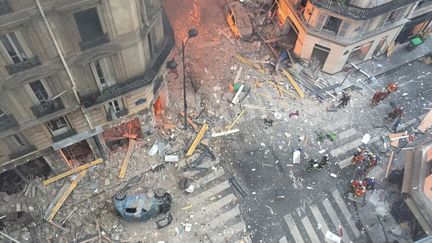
333	34
77	73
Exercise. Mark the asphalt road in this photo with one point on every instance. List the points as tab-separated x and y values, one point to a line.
260	157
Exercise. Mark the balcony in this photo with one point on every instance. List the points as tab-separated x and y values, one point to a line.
7	122
5	7
24	65
62	136
119	114
100	40
348	10
48	107
136	83
21	152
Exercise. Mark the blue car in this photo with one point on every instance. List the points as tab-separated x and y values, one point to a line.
140	207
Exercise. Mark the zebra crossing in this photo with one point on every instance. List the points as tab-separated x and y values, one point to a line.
326	221
350	139
217	211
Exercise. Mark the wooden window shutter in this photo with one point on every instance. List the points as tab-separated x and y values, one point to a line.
343	29
320	21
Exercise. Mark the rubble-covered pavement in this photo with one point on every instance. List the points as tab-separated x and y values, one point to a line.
252	190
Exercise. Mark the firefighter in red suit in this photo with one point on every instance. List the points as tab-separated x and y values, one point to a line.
382	94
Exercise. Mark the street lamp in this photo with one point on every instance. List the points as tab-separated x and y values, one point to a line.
191	34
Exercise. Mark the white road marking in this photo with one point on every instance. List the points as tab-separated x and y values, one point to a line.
227	232
293	229
309	230
210	177
283	240
346	212
206	164
335	125
215	206
346	134
210	192
223	218
336	222
348	146
319	218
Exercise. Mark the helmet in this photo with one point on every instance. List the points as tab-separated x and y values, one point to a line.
392	87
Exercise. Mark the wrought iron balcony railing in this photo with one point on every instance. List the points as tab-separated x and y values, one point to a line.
62	136
345	8
136	83
23	65
5	7
100	40
7	122
48	107
119	114
23	151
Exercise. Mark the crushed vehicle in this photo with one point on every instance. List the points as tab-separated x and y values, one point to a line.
238	20
141	207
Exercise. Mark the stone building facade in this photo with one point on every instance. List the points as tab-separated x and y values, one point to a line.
72	69
334	34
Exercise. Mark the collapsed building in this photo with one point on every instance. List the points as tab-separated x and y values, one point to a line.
334	34
77	77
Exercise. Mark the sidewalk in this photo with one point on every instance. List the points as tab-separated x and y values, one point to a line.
380	65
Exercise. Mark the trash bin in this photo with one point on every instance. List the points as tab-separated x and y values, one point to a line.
416	41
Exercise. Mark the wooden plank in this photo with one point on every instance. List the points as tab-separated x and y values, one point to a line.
214	135
194	126
131	146
70	172
426	123
281	89
406	182
254	65
389	163
235	121
293	82
66	195
197	140
238	75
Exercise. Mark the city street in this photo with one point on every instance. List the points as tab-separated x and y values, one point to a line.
261	157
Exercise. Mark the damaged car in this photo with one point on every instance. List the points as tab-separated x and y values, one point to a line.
141	207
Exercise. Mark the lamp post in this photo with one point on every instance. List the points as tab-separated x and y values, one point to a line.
191	34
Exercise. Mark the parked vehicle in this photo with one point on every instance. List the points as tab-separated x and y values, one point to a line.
140	207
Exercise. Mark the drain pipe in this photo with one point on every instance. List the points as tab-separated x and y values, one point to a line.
74	88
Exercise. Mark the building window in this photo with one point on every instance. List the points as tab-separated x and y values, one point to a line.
394	16
88	23
332	24
40	90
115	105
343	29
12	47
101	73
18	140
58	126
115	109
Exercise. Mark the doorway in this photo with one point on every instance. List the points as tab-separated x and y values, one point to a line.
359	53
380	47
76	154
319	55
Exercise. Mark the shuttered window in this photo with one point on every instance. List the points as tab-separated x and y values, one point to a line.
343	29
320	21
